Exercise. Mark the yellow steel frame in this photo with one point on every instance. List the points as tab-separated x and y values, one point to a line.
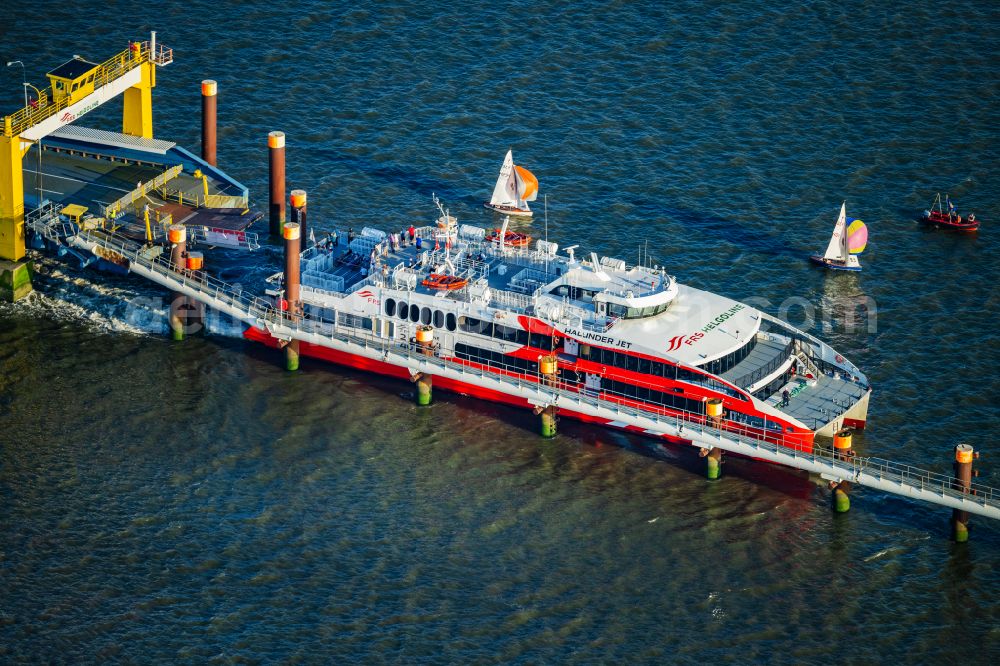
137	120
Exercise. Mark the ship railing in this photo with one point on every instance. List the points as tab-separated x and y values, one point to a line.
751	378
469	269
508	300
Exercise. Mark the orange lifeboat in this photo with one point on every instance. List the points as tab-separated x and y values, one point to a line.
511	238
446	282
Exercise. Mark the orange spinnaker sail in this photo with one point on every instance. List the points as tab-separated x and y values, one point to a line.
527	185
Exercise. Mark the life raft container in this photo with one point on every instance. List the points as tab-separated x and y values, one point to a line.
511	238
447	282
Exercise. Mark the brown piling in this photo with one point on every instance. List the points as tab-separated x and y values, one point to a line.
298	202
209	99
177	235
276	179
293	244
963	482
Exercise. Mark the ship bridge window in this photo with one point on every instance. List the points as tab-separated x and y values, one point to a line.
425	316
390	306
730	360
414	313
623	312
450	323
404	310
438	319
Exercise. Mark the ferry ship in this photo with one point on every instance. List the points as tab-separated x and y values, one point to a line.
631	335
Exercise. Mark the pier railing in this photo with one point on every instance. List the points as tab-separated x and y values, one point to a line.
214	291
537	389
866	470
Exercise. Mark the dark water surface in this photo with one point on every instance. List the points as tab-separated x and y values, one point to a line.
193	502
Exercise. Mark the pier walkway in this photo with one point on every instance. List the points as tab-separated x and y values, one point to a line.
884	475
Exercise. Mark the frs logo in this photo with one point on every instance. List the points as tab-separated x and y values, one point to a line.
368	295
675	342
67	117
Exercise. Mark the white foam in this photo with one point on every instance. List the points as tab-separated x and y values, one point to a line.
106	302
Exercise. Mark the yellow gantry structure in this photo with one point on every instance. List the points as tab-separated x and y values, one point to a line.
77	87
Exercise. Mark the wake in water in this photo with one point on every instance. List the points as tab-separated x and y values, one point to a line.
104	302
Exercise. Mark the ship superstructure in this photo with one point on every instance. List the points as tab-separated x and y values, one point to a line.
629	334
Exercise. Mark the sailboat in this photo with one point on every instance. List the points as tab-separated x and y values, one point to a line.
515	187
849	239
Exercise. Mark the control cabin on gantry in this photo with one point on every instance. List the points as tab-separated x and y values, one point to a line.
73	79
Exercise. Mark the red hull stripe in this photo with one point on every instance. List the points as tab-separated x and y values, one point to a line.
447	384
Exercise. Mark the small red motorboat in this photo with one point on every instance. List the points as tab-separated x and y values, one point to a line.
950	219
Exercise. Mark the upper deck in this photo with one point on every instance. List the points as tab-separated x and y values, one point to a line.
641	309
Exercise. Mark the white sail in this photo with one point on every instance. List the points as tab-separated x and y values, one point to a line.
837	249
505	192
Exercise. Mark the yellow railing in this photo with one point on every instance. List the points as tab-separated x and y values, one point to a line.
114	210
109	70
196	200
